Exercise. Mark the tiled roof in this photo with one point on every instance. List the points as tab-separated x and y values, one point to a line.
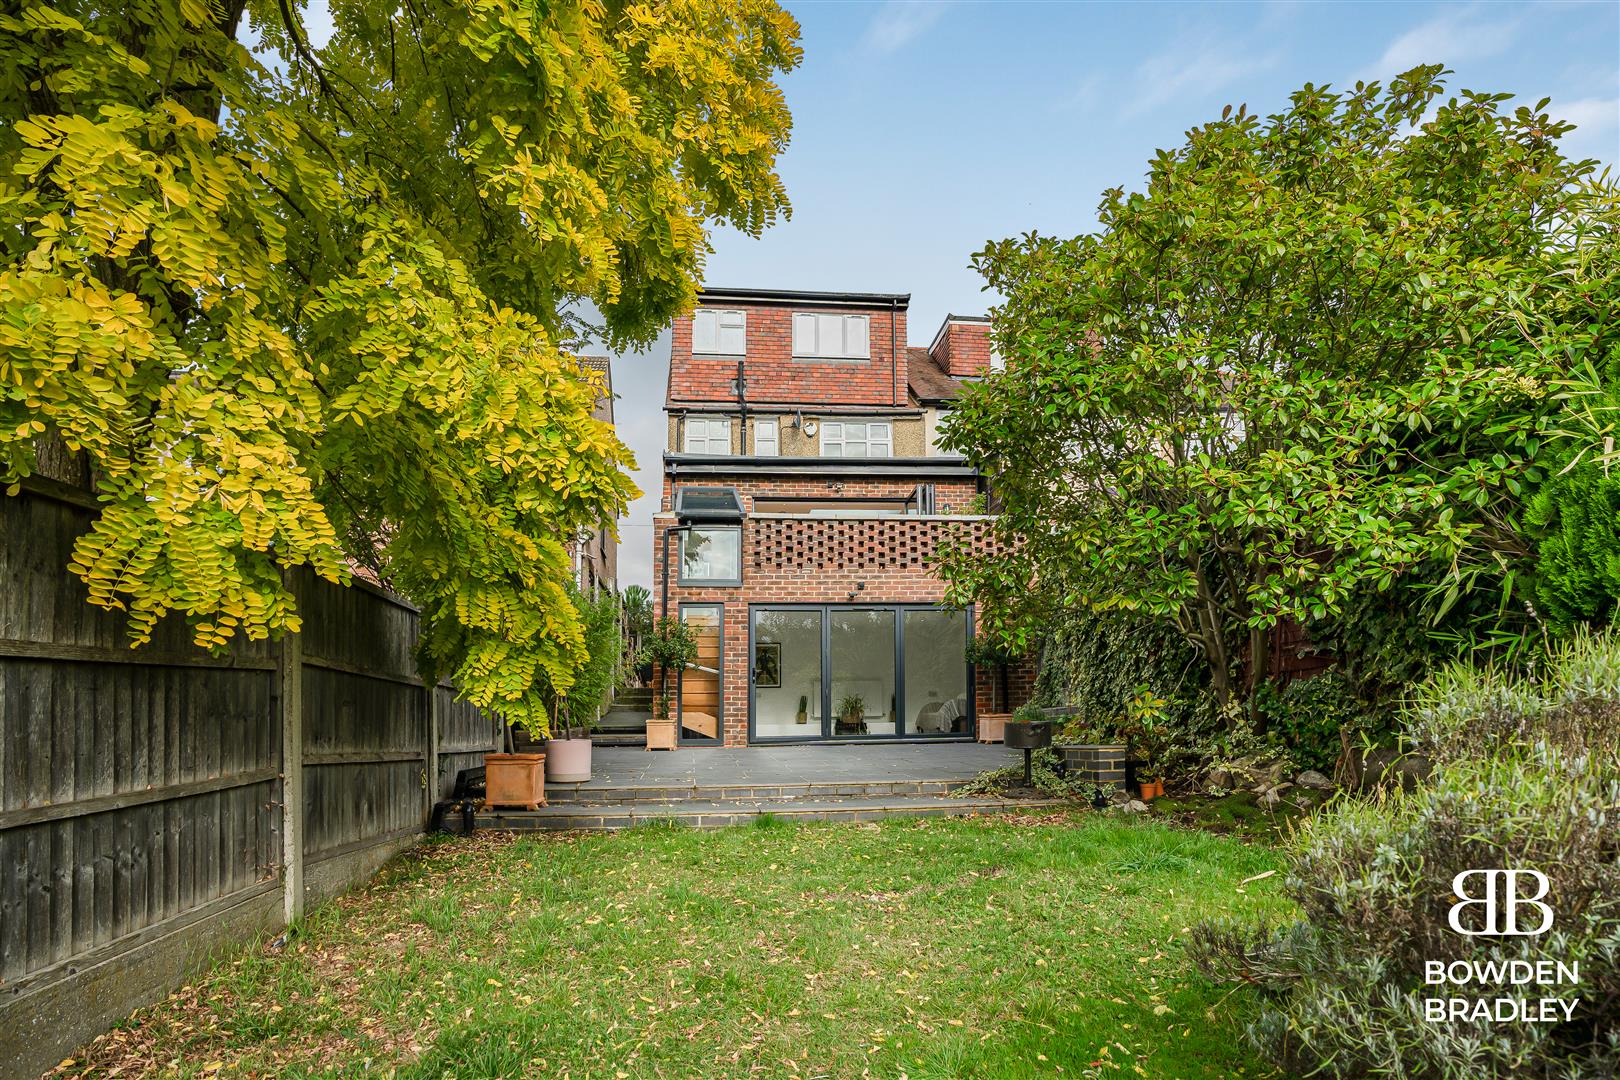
928	381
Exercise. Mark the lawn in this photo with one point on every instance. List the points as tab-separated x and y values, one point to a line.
987	947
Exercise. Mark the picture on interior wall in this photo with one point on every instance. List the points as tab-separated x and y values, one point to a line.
768	664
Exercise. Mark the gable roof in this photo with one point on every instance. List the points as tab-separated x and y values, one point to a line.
930	384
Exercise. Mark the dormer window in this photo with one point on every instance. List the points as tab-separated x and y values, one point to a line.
719	333
831	337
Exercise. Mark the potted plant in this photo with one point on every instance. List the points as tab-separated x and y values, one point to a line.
670	648
803	716
851	715
661	728
1028	729
512	779
983	651
1143	726
568	752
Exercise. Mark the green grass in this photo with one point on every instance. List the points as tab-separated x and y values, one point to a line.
989	947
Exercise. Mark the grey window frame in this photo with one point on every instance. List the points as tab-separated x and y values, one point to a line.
680	555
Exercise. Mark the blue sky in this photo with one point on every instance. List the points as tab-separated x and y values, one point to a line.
921	130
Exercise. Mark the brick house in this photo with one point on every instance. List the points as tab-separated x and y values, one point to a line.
804	498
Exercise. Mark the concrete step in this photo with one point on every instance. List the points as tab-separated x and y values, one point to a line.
633	699
707	814
597	792
619	738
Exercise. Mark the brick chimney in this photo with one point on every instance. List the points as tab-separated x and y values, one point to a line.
962	346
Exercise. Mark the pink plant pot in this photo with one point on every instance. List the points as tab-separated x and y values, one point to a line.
568	761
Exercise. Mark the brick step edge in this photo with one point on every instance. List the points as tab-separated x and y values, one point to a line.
714	818
666	794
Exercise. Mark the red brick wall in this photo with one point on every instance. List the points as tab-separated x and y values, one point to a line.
987	687
964	349
774	376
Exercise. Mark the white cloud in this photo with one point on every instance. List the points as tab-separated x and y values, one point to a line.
1589	115
900	22
1191	70
1465	34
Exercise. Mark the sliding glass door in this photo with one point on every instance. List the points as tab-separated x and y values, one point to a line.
848	672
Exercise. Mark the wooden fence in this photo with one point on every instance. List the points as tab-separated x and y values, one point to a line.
148	816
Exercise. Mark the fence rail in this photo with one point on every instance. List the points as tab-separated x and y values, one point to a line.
148	813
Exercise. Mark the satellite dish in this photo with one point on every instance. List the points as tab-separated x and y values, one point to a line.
809	427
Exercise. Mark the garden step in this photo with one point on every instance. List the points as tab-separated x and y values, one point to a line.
619	738
621	794
633	699
713	814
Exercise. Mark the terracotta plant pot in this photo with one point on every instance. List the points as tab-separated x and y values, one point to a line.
515	780
1150	789
660	734
993	726
568	761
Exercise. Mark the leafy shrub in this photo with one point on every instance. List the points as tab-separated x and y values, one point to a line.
1309	715
576	712
1527	775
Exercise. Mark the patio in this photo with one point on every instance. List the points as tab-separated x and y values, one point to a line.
709	788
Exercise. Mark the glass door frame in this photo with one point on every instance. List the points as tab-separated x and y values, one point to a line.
826	734
681	738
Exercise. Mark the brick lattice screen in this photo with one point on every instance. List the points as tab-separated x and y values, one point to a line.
837	544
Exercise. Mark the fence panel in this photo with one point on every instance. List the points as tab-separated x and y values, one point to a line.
142	791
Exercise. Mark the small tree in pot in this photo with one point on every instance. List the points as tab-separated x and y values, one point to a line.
670	648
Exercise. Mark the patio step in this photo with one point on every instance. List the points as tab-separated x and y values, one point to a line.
633	699
714	814
664	794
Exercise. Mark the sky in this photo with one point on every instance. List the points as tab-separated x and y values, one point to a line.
923	130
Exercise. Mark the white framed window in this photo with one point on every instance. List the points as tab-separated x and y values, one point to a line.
711	555
708	435
719	333
836	337
857	438
765	441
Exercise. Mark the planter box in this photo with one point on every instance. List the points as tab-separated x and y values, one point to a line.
993	726
1095	763
515	780
660	734
1021	736
568	761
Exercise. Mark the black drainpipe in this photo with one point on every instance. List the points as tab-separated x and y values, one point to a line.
894	354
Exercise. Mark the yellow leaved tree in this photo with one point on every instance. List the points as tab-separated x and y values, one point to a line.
304	305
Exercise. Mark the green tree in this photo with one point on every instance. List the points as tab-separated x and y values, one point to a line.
1319	351
311	305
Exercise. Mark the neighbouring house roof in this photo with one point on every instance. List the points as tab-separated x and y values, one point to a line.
796	296
601	365
928	381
